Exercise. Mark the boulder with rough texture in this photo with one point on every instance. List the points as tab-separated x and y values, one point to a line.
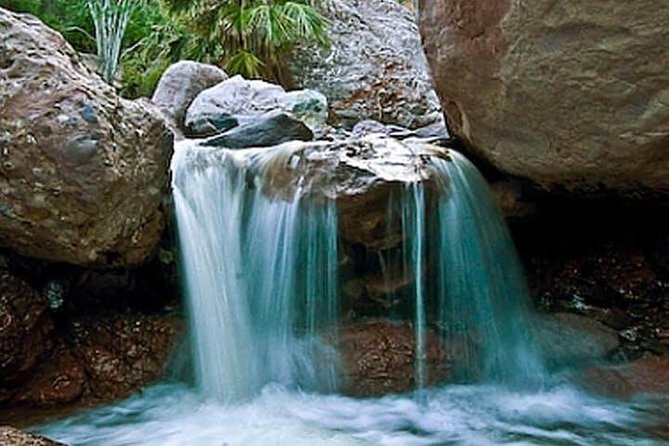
374	67
181	83
82	171
10	436
569	94
245	100
379	357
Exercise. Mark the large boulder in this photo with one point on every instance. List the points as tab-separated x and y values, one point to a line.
82	171
569	94
245	100
181	83
374	67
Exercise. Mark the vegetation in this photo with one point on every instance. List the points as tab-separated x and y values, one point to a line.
249	37
110	18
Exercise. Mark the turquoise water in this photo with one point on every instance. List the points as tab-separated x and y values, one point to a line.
262	284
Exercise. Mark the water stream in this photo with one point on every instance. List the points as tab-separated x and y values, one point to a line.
262	277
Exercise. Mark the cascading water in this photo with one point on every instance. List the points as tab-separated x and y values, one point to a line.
262	247
260	275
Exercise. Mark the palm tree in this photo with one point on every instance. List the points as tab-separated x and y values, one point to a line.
251	37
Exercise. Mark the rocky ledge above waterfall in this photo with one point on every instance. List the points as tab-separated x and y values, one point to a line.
360	174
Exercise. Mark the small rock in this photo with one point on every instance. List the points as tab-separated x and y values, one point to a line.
268	130
10	436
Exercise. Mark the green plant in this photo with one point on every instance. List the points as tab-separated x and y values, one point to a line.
110	18
250	37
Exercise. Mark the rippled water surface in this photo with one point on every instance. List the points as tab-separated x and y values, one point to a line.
170	415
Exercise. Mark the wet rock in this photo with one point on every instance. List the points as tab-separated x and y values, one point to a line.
601	266
569	339
26	330
374	67
82	171
122	353
648	375
10	436
361	175
378	357
267	130
59	381
568	96
378	290
248	99
181	83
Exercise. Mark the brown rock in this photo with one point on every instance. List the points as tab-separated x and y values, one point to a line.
568	94
122	353
61	380
10	436
362	175
25	329
646	375
378	357
82	171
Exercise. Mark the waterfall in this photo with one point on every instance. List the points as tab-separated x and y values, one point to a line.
262	277
482	298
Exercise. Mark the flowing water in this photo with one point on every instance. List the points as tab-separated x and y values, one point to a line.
262	280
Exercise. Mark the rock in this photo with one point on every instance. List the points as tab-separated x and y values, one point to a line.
644	376
434	133
82	171
267	130
570	96
248	99
378	357
10	436
181	83
60	380
122	353
508	196
98	359
371	127
360	174
212	124
26	329
374	67
569	339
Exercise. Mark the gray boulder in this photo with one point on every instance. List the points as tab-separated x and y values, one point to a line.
247	99
374	67
181	83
